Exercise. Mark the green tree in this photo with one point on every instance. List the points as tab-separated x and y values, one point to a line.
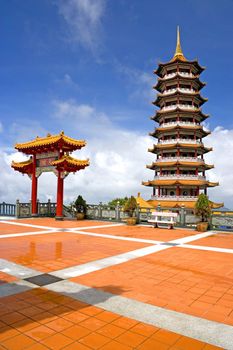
120	201
203	208
130	206
80	205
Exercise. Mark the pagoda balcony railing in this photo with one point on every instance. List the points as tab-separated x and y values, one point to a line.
167	125
185	74
168	76
171	91
186	159
180	177
181	106
174	141
182	74
174	198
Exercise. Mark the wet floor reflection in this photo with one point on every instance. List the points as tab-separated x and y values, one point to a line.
35	250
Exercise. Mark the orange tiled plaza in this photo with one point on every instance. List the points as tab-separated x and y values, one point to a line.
68	289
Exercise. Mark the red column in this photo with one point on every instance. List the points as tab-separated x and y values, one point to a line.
34	188
60	183
159	190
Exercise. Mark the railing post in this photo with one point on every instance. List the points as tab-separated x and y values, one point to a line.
38	207
4	208
210	221
30	207
17	212
117	209
100	210
49	207
182	215
138	215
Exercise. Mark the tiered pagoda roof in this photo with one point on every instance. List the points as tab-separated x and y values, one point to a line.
70	164
180	166
50	143
24	167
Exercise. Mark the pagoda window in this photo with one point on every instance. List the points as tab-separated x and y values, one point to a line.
172	193
183	70
185	193
170	71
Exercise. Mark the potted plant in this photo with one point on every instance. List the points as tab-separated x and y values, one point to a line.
203	210
80	207
129	208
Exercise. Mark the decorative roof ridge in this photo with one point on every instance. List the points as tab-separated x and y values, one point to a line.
179	109
159	94
212	184
180	162
23	163
179	75
67	158
49	139
174	110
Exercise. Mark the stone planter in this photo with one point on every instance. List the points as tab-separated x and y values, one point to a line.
131	221
80	216
202	226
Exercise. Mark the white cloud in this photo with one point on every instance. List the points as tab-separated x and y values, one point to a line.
118	158
139	81
12	185
67	81
83	18
221	140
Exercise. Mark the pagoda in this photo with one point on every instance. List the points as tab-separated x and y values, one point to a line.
50	154
180	168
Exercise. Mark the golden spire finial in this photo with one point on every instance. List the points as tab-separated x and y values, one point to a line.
178	53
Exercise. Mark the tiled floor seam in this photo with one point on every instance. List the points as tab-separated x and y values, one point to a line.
28	225
181	241
100	264
213	249
13	235
183	324
165	243
121	238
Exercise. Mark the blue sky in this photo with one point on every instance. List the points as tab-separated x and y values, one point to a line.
95	58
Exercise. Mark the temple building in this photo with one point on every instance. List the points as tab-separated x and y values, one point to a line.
50	154
179	167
